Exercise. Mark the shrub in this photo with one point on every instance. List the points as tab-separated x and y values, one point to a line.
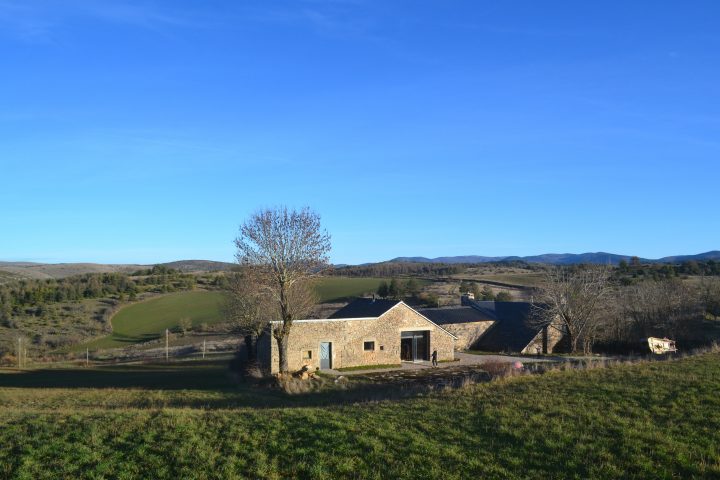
184	325
8	360
504	296
293	385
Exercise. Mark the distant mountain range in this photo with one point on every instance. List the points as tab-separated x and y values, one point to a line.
19	270
561	258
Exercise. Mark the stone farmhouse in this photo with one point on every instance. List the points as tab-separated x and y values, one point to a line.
371	331
367	331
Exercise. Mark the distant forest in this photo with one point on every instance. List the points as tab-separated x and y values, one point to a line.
634	270
626	272
391	269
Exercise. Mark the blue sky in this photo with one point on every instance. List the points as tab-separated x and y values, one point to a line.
142	132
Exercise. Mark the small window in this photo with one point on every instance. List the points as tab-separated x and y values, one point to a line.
382	347
307	355
369	346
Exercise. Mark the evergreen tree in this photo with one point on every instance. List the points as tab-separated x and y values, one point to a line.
412	288
383	289
394	289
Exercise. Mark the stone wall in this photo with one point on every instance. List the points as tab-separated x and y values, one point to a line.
348	337
468	333
554	336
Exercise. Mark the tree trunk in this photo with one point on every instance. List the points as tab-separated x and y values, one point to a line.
282	342
573	341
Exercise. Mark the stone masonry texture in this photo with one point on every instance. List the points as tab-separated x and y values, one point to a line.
348	337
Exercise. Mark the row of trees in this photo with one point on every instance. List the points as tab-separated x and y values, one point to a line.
398	289
393	269
592	309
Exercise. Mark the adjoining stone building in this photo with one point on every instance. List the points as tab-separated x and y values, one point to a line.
496	327
367	331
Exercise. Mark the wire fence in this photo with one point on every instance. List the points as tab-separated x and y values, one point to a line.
209	352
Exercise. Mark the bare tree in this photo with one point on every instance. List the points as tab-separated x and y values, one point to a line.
665	307
248	306
709	296
571	299
289	247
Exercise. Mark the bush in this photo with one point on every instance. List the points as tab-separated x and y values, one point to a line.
184	325
504	296
8	360
293	385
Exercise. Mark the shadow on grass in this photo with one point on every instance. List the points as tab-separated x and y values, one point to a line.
210	384
129	339
208	375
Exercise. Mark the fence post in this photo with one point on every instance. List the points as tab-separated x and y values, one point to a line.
167	354
203	349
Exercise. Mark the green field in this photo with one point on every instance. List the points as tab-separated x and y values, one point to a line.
147	320
652	420
332	289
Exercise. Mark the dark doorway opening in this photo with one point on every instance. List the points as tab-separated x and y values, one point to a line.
415	346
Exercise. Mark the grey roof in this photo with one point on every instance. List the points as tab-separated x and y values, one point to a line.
511	333
450	315
365	308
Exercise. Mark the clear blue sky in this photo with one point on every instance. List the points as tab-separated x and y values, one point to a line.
148	131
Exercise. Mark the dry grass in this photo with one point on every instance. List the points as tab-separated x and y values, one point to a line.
293	385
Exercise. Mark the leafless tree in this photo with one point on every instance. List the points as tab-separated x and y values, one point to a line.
289	248
248	306
665	307
571	299
710	295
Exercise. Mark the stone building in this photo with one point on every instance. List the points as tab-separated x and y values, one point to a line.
495	327
367	331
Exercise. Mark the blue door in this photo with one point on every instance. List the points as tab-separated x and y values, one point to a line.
325	355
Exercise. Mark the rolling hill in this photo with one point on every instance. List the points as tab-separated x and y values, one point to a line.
147	320
40	271
19	270
560	258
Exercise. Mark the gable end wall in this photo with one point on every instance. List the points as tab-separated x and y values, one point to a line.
348	336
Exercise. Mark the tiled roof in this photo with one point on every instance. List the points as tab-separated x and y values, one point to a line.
365	308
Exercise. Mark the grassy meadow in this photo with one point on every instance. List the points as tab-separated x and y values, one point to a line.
148	319
192	420
334	289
